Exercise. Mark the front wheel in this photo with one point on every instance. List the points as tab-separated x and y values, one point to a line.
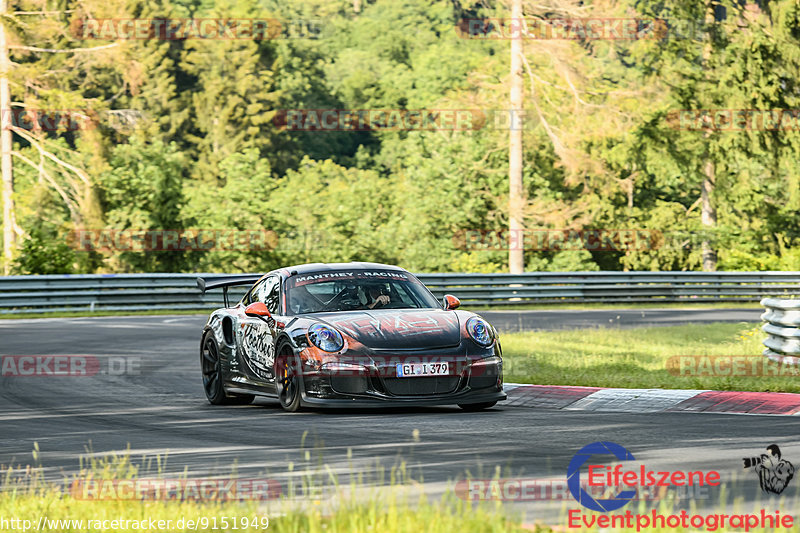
288	384
471	407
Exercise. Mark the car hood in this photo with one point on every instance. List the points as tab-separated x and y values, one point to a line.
404	329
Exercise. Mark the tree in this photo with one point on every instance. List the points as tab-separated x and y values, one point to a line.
54	51
744	60
143	190
243	202
233	96
515	198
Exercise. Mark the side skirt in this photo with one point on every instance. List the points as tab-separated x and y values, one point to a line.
268	392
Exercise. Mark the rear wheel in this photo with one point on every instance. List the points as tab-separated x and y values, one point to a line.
288	384
471	407
211	365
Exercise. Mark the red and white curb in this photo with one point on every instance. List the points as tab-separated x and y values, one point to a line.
651	400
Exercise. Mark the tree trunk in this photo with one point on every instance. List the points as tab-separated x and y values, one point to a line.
516	264
9	221
708	217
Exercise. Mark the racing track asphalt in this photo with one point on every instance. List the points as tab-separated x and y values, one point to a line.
159	409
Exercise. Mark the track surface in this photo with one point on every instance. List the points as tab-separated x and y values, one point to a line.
159	409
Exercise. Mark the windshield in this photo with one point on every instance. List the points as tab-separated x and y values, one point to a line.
356	290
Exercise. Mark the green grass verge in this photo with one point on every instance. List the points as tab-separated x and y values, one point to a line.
647	358
29	503
64	513
600	306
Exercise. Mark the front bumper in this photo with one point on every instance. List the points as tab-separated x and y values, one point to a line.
341	384
369	401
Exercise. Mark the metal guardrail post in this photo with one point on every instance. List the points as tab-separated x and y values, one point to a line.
782	327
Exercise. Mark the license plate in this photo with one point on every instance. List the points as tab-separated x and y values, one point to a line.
421	369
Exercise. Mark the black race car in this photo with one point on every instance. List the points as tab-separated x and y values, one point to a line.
347	335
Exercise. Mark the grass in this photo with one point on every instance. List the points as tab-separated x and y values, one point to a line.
655	304
641	358
24	495
389	515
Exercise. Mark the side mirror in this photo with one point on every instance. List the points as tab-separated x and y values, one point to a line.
257	309
450	302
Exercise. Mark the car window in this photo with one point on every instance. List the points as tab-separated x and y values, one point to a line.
404	294
267	291
252	295
270	294
356	290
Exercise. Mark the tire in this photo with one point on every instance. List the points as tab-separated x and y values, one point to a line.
211	366
288	382
472	407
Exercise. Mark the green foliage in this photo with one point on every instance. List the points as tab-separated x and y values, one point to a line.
346	212
44	254
238	201
141	190
184	137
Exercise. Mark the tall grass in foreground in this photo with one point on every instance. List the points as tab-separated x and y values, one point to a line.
638	357
398	507
387	515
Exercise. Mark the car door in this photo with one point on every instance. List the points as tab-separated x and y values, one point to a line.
257	334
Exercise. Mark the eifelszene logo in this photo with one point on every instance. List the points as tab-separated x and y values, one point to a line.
608	477
638	476
774	473
574	477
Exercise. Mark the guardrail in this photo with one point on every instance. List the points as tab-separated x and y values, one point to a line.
782	327
134	292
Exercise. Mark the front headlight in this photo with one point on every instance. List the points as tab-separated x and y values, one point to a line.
325	338
480	332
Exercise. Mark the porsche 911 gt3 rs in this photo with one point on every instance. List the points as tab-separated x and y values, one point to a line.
347	335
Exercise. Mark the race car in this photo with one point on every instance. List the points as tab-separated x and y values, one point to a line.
347	335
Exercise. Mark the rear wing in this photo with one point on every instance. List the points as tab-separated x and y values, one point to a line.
206	284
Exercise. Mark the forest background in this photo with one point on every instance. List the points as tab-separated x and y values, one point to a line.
189	133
